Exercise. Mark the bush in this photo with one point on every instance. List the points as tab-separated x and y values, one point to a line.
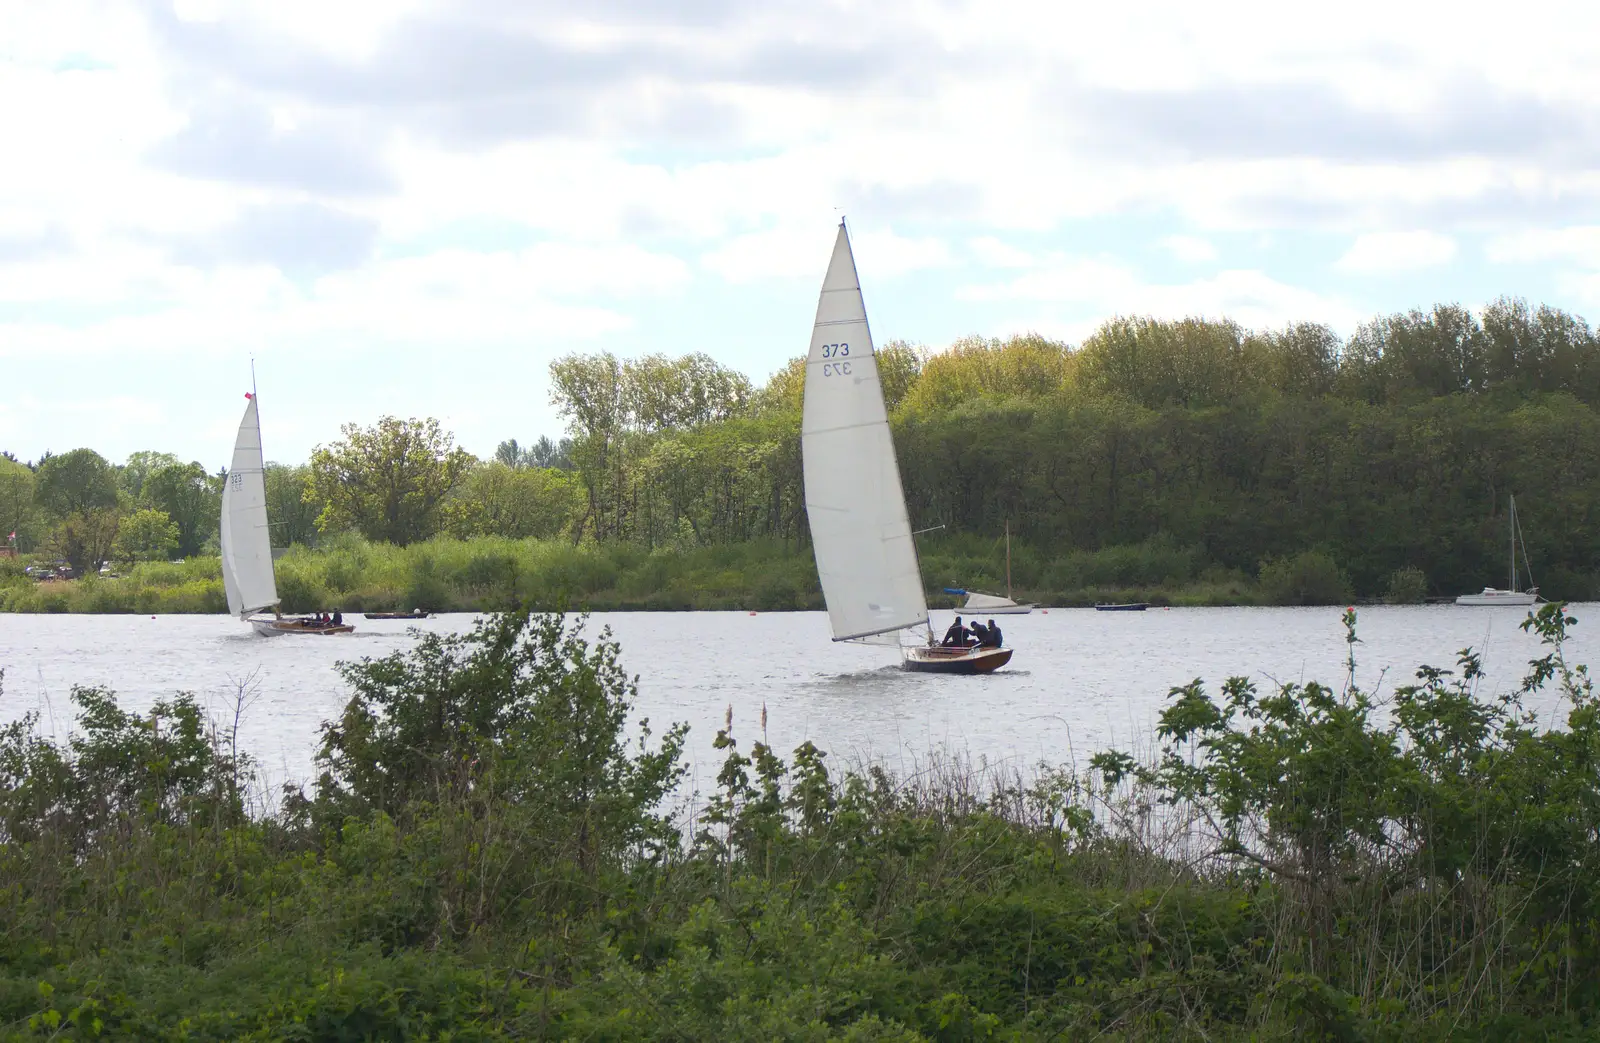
1308	578
1407	586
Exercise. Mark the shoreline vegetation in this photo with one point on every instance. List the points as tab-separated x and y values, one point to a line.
488	573
1186	462
493	850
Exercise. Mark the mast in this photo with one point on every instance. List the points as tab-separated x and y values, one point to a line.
1513	534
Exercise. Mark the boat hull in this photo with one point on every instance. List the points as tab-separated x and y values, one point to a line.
939	660
1518	598
279	627
397	615
998	610
1137	606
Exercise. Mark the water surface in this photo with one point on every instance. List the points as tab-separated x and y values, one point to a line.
1080	681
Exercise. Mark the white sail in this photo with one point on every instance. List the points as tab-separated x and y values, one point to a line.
860	532
246	543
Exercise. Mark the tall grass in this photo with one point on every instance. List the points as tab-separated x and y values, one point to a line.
484	573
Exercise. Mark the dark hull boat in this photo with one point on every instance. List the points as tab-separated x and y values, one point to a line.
939	660
1133	606
397	615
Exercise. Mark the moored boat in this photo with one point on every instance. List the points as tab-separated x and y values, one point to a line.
1129	606
397	615
1511	596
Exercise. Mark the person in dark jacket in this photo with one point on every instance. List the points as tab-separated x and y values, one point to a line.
956	636
992	635
980	634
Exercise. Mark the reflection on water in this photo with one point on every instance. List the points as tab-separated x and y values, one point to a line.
1080	681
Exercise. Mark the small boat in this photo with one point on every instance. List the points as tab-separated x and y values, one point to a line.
1510	596
297	625
935	659
1130	606
247	576
855	505
979	603
419	614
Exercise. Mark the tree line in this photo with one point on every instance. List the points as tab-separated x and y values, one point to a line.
1390	452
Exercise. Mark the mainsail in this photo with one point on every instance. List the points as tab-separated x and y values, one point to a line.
860	532
246	543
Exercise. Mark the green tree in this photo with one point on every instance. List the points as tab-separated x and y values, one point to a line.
388	481
16	503
132	475
190	498
84	539
75	482
146	535
497	500
292	505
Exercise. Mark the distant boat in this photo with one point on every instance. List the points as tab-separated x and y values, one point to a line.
247	576
1511	595
1130	606
419	614
979	603
855	504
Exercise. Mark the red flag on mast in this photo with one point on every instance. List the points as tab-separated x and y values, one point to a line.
248	395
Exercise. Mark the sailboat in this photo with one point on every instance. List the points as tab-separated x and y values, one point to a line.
860	531
1511	595
993	604
246	543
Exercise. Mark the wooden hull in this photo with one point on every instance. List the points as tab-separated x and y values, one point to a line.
397	615
939	660
279	627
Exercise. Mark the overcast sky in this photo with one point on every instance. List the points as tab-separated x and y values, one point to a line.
411	208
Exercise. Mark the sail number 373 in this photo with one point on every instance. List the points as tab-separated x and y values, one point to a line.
835	351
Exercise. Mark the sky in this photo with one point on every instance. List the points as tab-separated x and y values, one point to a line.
412	208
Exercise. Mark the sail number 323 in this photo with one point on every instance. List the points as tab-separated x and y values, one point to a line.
835	351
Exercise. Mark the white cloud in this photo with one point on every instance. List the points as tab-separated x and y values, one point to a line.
637	156
1189	248
1080	293
1577	245
993	253
1383	253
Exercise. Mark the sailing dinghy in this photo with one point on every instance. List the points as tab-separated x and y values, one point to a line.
246	543
860	531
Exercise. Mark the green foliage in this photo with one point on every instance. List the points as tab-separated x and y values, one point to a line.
487	856
131	476
17	511
292	505
389	481
85	539
1407	586
190	498
146	535
1308	578
75	483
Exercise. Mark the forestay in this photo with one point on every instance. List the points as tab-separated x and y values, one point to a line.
246	542
860	532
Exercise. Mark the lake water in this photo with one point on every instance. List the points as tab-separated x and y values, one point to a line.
1080	680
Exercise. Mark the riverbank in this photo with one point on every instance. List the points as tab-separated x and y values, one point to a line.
481	574
1318	874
